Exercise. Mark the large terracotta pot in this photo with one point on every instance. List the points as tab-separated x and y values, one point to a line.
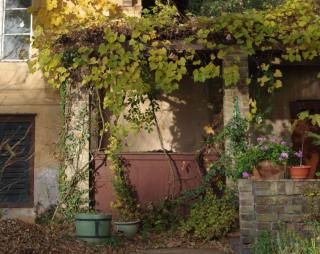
300	172
268	170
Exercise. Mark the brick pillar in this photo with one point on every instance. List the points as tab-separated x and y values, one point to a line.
240	90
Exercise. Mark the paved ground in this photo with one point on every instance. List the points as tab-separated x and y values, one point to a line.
234	242
181	251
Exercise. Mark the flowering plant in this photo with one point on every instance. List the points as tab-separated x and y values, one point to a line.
264	149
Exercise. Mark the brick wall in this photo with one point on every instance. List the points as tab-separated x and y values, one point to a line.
265	203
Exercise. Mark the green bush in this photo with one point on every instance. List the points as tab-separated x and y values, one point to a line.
211	217
216	7
287	241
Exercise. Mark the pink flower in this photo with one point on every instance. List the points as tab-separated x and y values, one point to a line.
273	139
284	143
245	175
299	154
284	156
261	139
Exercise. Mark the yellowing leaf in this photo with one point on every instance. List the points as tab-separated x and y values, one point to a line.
249	117
278	74
278	84
265	67
264	79
209	130
276	61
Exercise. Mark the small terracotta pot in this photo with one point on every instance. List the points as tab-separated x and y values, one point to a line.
299	172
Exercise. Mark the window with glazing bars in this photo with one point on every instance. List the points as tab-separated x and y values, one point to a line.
15	30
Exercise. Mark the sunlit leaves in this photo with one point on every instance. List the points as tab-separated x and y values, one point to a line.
231	75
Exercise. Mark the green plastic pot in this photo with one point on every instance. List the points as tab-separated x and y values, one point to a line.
128	229
93	228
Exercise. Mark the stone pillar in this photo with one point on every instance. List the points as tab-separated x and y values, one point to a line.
246	215
77	135
241	90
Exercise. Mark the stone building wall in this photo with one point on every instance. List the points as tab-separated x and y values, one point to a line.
265	203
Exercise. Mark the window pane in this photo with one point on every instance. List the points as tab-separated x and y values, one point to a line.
17	21
16	47
18	4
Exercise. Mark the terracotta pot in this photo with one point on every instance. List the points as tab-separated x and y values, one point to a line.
299	172
268	170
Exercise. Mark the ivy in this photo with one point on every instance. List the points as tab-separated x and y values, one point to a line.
134	60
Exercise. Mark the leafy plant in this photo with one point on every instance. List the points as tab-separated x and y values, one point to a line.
288	241
162	217
266	149
216	7
211	217
315	137
263	243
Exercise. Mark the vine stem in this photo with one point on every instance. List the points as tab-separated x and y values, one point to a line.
173	171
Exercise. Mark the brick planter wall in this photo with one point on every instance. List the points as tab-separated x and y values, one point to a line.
265	203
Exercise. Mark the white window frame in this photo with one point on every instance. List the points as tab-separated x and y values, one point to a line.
3	10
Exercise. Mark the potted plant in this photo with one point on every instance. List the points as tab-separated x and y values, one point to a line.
301	129
299	171
126	201
265	159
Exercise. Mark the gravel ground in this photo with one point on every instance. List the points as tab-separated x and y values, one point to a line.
17	237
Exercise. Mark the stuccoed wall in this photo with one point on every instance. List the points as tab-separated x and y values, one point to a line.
299	83
265	203
182	118
24	93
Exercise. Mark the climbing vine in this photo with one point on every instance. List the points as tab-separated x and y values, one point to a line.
135	59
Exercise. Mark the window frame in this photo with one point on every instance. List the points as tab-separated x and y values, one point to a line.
30	118
3	11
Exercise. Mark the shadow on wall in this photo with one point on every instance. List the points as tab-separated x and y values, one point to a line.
299	83
182	118
202	105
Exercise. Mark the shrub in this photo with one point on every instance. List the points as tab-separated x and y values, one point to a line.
216	7
211	217
288	241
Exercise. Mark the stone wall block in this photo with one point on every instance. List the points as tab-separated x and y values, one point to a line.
247	209
281	188
247	232
247	240
289	188
267	217
246	196
262	200
245	185
247	216
293	209
247	224
262	209
264	226
246	202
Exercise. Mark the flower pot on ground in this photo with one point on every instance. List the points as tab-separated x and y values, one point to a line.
300	172
128	229
92	227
